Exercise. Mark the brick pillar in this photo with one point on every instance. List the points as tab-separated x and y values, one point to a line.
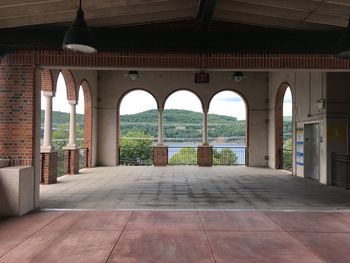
17	114
87	158
205	155
49	167
160	155
71	161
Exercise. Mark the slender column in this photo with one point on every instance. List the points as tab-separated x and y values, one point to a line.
72	125
205	127
47	143
160	126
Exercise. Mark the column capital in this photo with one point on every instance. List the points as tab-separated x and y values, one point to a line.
49	93
72	102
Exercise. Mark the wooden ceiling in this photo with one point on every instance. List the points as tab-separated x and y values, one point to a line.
315	15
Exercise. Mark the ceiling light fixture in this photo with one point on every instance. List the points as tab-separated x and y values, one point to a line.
343	46
238	76
78	38
133	75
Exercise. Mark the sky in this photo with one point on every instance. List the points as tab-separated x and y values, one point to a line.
226	103
60	102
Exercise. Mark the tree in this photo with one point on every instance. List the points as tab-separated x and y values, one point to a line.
288	154
224	157
186	156
136	149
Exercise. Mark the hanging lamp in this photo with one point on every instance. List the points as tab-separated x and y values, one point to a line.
78	38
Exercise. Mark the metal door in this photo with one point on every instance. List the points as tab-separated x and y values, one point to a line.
312	151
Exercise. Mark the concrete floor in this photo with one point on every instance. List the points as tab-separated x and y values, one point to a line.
181	187
176	236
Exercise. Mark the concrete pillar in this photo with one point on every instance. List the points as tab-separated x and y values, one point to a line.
72	144
47	143
205	127
71	151
160	126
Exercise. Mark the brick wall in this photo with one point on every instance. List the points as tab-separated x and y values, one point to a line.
17	113
87	122
49	167
160	155
180	60
205	156
71	161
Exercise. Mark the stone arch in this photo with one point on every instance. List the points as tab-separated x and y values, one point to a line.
247	117
47	82
279	124
70	84
118	113
88	104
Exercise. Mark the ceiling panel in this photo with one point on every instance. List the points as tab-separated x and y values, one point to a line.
288	14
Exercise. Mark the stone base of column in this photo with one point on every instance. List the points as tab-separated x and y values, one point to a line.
205	155
160	155
71	161
49	167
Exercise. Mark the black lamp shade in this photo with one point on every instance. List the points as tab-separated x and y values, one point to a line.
343	46
78	38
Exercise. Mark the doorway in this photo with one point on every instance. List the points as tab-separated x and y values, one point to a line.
312	151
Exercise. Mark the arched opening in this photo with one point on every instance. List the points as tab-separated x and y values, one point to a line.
284	128
60	120
138	128
84	124
183	127
227	128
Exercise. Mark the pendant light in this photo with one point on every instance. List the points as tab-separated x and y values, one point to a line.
78	38
343	46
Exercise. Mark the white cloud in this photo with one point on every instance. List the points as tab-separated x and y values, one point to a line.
183	100
287	103
137	101
228	103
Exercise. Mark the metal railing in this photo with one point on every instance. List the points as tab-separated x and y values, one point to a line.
287	159
60	162
228	155
142	156
341	170
186	155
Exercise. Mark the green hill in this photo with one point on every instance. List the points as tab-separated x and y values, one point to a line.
59	118
178	124
175	116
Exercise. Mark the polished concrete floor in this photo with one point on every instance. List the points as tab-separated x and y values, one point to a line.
175	236
190	187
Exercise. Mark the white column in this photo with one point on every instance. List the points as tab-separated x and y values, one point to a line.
205	127
72	125
47	143
160	126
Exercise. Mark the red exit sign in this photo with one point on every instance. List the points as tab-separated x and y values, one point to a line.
201	78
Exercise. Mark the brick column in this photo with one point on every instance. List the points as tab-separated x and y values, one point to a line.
160	155
49	167
205	155
71	161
